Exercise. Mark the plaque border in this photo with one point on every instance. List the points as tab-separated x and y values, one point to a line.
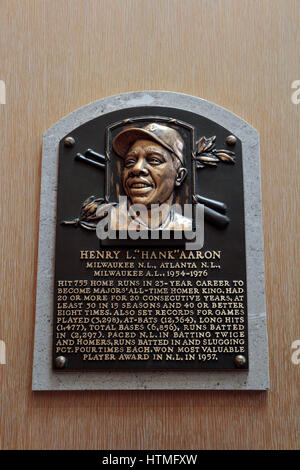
257	377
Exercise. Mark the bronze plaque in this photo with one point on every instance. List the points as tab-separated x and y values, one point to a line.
147	296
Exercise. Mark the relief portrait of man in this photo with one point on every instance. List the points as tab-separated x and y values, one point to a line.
153	168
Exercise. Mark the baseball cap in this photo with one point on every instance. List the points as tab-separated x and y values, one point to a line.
166	136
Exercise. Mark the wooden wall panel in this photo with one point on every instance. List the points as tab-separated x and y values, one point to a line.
58	55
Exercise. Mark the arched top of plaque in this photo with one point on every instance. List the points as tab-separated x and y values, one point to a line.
169	99
212	111
211	136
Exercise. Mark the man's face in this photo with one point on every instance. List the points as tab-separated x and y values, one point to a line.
149	173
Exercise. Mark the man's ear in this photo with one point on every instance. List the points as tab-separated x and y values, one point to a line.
181	174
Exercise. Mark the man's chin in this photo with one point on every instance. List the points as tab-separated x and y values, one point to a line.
141	200
141	196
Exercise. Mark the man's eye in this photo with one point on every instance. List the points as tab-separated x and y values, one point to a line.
154	161
129	163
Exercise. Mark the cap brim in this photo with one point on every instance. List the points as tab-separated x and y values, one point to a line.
123	141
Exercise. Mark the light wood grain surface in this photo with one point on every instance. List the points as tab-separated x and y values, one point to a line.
58	55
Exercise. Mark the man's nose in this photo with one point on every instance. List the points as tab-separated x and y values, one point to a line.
140	167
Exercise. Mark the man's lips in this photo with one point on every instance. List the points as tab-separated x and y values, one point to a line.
139	184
